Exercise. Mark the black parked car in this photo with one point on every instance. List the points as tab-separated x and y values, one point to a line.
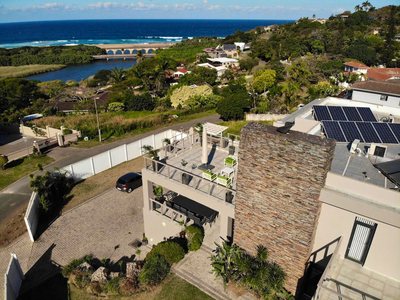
129	182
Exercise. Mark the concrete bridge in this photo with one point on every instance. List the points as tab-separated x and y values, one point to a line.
129	49
118	56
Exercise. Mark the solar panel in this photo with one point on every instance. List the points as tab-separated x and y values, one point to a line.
385	133
366	114
351	113
395	129
337	113
368	132
321	113
333	131
350	131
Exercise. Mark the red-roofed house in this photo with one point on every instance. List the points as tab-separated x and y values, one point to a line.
355	67
180	73
383	74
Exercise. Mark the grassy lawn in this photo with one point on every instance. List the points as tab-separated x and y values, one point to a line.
101	182
173	287
236	126
22	71
20	168
94	142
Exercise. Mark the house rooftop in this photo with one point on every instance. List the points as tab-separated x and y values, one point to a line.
222	59
377	86
383	74
352	165
355	64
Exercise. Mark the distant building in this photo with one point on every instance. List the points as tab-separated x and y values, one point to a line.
225	62
383	74
180	73
214	52
355	67
376	92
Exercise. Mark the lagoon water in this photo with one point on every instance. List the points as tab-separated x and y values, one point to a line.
91	32
79	72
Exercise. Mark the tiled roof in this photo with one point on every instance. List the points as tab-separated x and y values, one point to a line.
383	74
377	86
355	64
184	71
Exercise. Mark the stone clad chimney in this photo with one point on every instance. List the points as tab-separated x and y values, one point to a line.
279	181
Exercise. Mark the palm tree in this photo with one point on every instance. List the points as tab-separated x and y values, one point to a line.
165	64
291	91
139	56
357	8
159	78
117	75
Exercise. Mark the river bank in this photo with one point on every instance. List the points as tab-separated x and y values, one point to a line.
28	70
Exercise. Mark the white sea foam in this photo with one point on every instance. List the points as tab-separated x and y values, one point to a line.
71	44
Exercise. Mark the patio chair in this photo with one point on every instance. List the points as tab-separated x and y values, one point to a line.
225	181
209	175
183	210
230	161
197	221
190	215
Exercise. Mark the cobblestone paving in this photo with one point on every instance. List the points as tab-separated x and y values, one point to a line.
102	226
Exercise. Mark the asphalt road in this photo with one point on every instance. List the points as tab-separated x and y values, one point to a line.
18	194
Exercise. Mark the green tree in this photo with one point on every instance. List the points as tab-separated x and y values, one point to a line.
388	53
248	63
52	88
139	102
263	80
140	56
299	73
117	75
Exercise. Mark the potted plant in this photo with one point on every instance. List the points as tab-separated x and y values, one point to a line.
144	240
167	144
139	263
232	147
229	196
153	153
158	192
182	234
185	176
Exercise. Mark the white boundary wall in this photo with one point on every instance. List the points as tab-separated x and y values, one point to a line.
13	279
88	167
264	117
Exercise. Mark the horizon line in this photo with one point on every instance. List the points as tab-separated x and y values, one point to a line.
190	19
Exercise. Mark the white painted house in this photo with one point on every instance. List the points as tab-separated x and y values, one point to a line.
355	67
377	92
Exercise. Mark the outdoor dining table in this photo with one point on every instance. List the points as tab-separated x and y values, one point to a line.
194	207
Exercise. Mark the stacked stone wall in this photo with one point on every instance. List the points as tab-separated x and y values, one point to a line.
279	182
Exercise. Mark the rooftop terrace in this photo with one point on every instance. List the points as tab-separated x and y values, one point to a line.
189	149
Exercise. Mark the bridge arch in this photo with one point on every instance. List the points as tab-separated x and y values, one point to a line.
110	52
118	52
150	51
127	51
134	51
143	51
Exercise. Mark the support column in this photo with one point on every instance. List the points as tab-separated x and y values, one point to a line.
225	224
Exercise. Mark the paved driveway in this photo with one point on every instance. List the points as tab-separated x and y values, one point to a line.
102	226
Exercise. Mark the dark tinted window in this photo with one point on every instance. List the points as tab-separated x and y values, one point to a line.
121	181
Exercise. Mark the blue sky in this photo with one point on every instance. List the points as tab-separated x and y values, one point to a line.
40	10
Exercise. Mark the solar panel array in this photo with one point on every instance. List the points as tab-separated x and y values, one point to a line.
366	132
343	113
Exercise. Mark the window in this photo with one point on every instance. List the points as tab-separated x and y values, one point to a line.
384	97
380	151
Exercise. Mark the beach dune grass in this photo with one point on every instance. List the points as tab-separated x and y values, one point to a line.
27	70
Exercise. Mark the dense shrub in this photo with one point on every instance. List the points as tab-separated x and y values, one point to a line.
49	111
116	106
172	251
66	271
3	161
66	131
194	236
129	286
113	285
155	270
180	95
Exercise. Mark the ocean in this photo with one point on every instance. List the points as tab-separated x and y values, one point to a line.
90	32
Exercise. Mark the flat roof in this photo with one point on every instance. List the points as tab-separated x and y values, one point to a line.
222	59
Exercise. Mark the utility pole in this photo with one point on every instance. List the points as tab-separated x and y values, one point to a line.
97	116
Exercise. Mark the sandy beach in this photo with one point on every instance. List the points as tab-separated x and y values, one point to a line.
128	46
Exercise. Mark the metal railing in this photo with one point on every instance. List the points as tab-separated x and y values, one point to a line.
196	182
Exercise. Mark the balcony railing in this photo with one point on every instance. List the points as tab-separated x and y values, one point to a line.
226	194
